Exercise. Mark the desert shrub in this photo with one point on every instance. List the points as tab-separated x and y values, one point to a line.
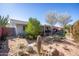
58	38
75	31
22	50
30	37
22	35
67	27
61	33
22	46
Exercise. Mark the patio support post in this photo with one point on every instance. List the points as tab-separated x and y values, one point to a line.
44	30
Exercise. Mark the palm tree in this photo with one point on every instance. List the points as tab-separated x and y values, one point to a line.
3	21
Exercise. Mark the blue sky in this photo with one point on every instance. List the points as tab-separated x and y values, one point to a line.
24	11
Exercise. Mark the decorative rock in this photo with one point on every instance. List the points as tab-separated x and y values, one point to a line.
29	49
50	47
57	53
66	48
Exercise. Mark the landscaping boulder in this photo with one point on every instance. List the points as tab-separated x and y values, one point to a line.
29	49
57	53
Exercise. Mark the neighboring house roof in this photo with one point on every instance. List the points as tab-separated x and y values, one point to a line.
18	21
13	22
49	27
52	26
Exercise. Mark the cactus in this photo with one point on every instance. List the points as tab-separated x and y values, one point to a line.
39	38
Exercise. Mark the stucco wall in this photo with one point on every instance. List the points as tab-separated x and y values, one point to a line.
19	28
18	25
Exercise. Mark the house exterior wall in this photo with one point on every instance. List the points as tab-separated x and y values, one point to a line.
12	24
18	25
19	28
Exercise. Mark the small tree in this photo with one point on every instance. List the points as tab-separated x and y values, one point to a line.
33	27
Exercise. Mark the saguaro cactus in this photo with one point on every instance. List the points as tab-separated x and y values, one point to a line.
39	38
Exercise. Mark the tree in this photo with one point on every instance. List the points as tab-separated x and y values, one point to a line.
3	21
33	27
51	18
64	19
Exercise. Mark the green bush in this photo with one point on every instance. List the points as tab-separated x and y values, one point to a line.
33	28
